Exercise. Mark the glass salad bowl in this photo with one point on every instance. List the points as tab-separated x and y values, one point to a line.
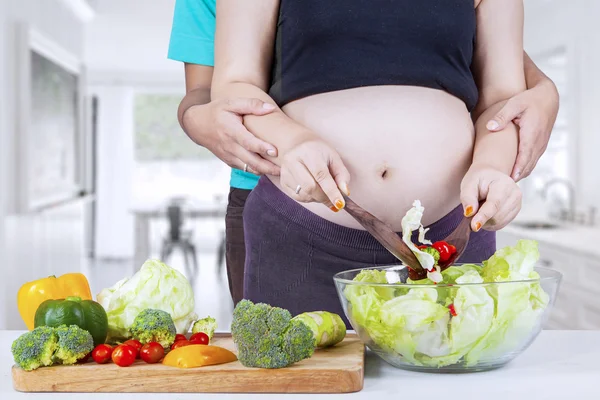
480	317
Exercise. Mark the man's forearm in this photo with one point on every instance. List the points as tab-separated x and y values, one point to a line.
194	97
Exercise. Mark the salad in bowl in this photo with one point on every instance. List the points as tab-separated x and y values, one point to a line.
463	317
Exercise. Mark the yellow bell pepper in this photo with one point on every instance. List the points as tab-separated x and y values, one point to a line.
198	355
34	293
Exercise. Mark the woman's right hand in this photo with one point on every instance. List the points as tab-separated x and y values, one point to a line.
312	171
219	127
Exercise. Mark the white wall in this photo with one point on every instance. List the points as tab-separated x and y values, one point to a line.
31	236
114	229
127	44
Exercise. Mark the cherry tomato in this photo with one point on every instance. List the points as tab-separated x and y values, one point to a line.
452	248
179	337
422	247
152	352
180	343
444	250
452	310
199	338
136	345
101	353
123	355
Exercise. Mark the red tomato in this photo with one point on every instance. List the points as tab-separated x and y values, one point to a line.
152	352
123	355
452	248
101	353
179	337
199	338
422	247
180	343
444	250
136	345
452	310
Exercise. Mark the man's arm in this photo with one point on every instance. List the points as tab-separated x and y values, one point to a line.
197	87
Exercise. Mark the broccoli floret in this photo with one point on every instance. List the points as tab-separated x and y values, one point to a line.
154	326
434	253
207	325
35	349
266	336
74	344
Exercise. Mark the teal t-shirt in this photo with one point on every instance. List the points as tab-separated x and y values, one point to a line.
192	42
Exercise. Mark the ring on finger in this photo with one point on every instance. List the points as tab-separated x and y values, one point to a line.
298	189
245	167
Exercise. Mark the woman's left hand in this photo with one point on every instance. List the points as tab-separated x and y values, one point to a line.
534	111
499	194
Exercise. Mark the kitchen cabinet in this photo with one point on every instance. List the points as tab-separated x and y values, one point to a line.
577	305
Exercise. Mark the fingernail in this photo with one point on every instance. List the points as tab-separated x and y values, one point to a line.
517	175
477	226
491	125
271	152
346	189
468	211
339	204
268	106
332	208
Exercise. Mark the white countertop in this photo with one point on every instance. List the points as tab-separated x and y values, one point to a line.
559	365
567	236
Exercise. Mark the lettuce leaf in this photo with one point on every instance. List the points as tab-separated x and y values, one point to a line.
155	285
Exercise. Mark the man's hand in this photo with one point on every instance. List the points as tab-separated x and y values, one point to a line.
219	127
534	111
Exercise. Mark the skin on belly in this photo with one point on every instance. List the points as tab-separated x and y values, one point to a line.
399	143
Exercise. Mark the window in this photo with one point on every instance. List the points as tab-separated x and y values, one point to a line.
167	162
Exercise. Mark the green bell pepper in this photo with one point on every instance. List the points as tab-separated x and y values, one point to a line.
87	314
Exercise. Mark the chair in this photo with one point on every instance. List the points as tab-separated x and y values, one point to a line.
179	238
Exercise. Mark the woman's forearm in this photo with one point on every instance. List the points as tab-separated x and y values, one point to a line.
275	128
497	150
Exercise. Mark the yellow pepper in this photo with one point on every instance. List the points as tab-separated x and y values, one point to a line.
198	355
34	293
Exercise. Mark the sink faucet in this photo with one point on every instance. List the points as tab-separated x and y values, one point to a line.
571	209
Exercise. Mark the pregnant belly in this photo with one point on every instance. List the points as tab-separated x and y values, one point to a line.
399	144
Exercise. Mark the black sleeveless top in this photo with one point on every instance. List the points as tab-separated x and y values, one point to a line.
329	45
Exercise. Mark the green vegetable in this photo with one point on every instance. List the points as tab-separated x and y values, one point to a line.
45	346
74	344
86	314
267	337
433	252
154	326
440	326
207	325
328	328
35	349
155	286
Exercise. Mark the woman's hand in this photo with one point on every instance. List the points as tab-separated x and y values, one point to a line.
534	111
219	127
312	171
499	193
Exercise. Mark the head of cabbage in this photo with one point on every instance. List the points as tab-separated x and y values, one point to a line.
156	286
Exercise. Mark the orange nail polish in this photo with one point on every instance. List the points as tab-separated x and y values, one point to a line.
477	226
332	208
469	211
339	204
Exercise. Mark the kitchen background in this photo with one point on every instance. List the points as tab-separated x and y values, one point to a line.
85	185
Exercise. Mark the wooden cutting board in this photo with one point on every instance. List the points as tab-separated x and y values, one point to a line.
339	369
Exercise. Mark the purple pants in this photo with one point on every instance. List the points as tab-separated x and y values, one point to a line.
292	254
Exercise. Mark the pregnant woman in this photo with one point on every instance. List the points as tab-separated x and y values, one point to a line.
387	99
